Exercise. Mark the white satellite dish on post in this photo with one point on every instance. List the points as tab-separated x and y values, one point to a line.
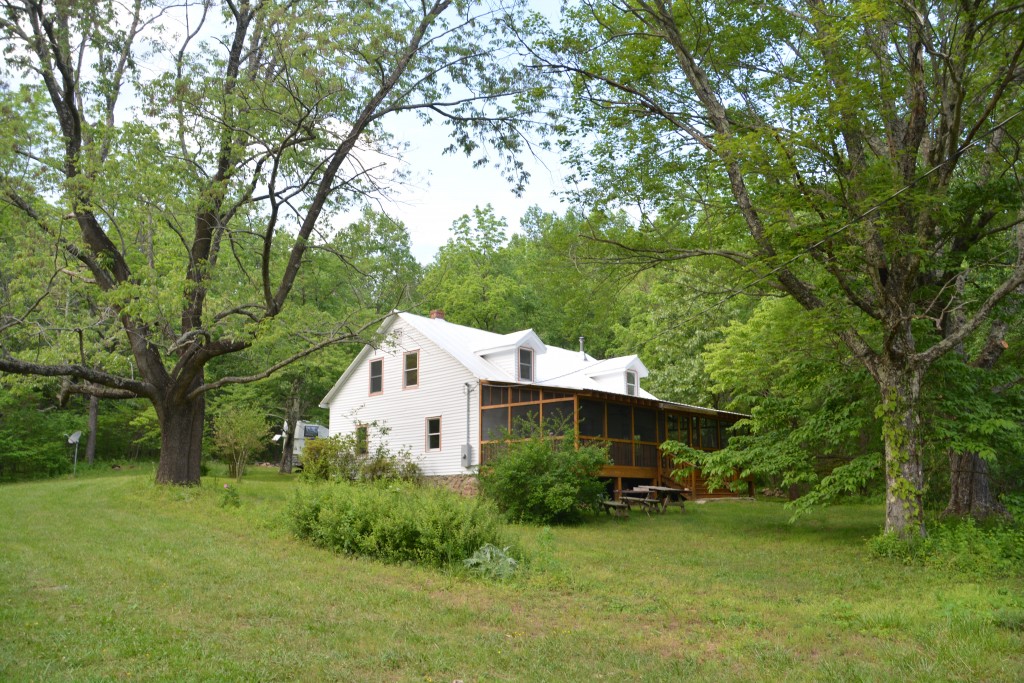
75	438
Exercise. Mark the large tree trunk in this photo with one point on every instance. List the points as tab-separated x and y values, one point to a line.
969	490
904	475
90	444
181	440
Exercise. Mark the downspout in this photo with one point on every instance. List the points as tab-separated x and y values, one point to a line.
467	449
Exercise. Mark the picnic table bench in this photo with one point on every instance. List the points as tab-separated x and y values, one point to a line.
646	503
619	508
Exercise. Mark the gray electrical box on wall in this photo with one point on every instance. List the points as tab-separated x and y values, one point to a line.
467	455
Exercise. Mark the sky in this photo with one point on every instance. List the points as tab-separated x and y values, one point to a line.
443	187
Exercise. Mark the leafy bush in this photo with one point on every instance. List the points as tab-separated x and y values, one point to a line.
229	497
395	522
960	545
239	431
544	478
492	562
347	457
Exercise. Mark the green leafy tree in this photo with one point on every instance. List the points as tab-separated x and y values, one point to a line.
472	279
239	432
187	196
845	152
813	423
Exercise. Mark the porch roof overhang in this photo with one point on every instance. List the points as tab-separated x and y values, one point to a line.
631	400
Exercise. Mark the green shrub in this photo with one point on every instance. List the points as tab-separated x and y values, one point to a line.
347	457
394	522
319	459
492	562
960	545
229	497
544	479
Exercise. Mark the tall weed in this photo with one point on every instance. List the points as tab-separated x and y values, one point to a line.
961	545
395	522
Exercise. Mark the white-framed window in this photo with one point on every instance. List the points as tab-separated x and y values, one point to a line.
376	376
631	384
433	434
411	370
525	364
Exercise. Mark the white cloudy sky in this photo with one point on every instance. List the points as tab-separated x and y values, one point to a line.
443	187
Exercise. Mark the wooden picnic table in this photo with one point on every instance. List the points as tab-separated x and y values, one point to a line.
667	495
646	501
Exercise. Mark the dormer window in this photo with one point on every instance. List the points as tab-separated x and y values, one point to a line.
631	384
525	364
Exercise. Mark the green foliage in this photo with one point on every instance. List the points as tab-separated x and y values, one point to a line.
543	479
395	522
483	279
349	458
33	434
239	431
962	546
492	562
229	497
813	419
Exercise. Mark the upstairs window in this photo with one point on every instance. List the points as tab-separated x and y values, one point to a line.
376	376
631	382
411	375
525	364
433	434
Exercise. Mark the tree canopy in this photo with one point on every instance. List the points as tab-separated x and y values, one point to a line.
177	166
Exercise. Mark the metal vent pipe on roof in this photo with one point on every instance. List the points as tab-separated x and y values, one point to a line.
582	352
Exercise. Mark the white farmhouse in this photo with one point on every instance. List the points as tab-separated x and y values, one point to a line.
446	392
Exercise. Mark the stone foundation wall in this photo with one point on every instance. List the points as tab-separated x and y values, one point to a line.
463	484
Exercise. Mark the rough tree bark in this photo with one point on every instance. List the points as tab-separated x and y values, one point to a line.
90	444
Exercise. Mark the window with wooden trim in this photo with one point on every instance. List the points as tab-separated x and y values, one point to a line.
376	376
525	358
631	384
411	370
433	434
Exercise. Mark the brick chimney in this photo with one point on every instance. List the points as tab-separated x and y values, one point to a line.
437	314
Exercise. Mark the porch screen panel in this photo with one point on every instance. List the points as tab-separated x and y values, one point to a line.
646	455
493	396
591	418
494	423
679	428
621	453
620	424
524	418
695	431
645	424
558	417
709	432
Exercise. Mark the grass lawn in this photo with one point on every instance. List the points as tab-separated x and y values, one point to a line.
109	577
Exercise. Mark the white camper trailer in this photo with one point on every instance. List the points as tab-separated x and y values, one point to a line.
306	431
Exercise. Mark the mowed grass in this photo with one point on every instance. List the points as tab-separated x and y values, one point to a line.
111	578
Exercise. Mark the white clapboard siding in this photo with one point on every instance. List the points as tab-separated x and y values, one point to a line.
505	361
404	411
